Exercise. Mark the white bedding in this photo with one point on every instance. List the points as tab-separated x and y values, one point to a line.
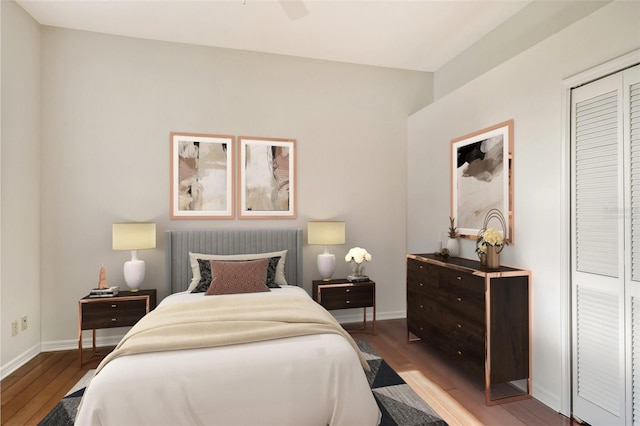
307	380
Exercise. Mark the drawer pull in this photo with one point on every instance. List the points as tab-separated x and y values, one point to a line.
348	301
459	277
459	352
114	306
114	319
421	284
421	328
421	306
421	267
459	299
459	325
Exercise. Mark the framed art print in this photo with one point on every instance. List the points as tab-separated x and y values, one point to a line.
267	178
201	176
481	178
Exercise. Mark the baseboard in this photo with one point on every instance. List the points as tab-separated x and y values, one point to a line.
19	361
87	342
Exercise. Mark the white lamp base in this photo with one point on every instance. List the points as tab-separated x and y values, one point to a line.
326	264
134	270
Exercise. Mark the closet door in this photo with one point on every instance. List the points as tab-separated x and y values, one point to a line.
598	267
631	104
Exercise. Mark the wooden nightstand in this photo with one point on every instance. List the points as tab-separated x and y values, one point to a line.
342	294
123	310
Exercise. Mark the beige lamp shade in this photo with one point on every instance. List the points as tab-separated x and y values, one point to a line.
134	236
325	233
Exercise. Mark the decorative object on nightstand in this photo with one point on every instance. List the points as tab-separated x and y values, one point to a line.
102	282
134	236
326	233
104	292
452	242
357	257
490	241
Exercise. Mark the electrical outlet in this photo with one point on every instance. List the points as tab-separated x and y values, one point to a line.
25	324
14	327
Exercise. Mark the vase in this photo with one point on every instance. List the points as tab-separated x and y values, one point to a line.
357	269
357	272
493	257
453	247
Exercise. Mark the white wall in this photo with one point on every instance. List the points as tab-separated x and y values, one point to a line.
527	88
20	184
535	22
109	104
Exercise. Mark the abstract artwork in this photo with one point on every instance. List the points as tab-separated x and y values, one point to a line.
481	178
267	178
201	176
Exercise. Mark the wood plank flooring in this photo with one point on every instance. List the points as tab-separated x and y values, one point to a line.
435	380
32	391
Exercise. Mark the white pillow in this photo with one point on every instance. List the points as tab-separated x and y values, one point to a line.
195	267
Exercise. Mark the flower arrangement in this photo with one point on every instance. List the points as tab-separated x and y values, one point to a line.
358	255
491	237
481	247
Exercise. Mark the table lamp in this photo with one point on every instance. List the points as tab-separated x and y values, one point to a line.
326	233
134	236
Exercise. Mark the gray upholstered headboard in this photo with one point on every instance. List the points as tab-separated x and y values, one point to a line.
229	241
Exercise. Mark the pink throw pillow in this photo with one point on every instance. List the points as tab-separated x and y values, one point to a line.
238	277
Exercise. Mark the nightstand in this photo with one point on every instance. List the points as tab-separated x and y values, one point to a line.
123	310
343	294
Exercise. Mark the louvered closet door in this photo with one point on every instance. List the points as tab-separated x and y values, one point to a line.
631	105
598	248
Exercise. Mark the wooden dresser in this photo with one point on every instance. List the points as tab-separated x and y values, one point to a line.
476	317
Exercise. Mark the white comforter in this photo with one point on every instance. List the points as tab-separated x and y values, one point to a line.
307	380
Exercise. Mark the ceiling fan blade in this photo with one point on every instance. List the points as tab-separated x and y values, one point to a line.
295	9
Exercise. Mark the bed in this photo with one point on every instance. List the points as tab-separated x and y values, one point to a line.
177	368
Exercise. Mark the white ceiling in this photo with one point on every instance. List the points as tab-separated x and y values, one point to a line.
420	35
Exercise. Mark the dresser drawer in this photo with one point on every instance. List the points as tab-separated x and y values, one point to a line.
343	297
463	293
423	308
450	278
461	327
428	288
421	271
470	357
112	313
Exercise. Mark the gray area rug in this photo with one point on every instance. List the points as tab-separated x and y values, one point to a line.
399	404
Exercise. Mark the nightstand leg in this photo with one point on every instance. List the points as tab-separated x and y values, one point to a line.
80	347
94	343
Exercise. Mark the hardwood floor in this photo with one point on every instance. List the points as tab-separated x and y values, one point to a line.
423	369
33	390
30	392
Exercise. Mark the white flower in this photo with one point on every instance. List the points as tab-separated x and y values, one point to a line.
358	255
492	237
